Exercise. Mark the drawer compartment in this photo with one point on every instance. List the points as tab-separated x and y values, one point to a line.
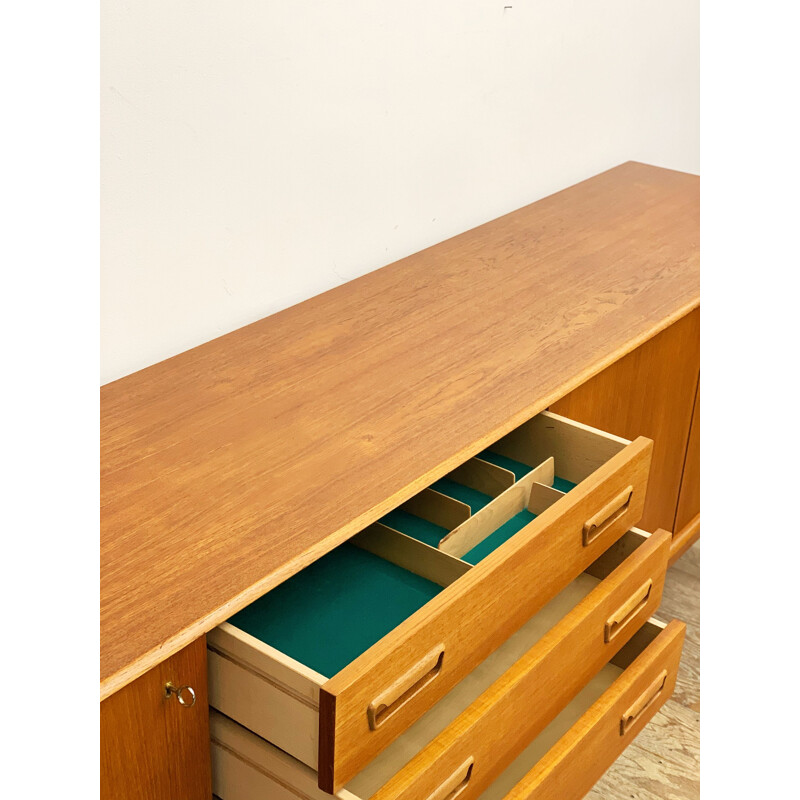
337	662
561	763
484	502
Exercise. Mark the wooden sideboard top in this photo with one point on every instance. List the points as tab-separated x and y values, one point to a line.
226	469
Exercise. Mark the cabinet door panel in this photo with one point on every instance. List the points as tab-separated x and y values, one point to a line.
687	518
689	502
152	746
650	392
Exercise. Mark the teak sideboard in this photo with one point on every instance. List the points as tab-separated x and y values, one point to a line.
405	540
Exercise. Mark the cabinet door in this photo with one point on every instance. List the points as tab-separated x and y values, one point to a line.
650	392
687	520
151	745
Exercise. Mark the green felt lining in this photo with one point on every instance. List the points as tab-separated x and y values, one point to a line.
339	606
498	537
472	497
336	608
520	470
415	527
431	534
563	485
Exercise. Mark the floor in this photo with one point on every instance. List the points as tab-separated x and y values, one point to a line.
663	763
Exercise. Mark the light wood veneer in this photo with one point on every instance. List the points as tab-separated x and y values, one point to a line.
150	745
561	763
416	664
228	468
687	516
500	589
650	392
539	685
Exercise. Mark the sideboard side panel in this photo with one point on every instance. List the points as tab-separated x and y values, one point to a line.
650	392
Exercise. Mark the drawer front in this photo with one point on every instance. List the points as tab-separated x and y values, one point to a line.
578	760
524	701
379	695
561	764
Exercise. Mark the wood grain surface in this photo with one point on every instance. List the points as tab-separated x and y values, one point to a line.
230	467
664	760
689	501
150	745
579	758
498	589
662	763
684	538
651	392
530	695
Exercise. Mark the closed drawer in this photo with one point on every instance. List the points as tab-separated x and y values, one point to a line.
561	763
336	663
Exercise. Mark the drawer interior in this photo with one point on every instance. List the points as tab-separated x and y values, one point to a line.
328	614
485	501
245	765
435	720
275	661
335	609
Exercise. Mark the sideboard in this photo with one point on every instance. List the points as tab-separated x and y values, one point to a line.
406	539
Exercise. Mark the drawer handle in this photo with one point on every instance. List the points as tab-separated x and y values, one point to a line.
646	699
628	610
405	687
455	784
607	516
185	694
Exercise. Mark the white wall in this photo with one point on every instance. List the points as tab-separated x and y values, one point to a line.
256	152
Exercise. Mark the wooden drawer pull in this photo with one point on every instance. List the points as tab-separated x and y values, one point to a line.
405	687
455	784
607	516
646	699
628	610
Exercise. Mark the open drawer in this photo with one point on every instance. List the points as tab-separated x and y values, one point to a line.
561	763
476	741
336	663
